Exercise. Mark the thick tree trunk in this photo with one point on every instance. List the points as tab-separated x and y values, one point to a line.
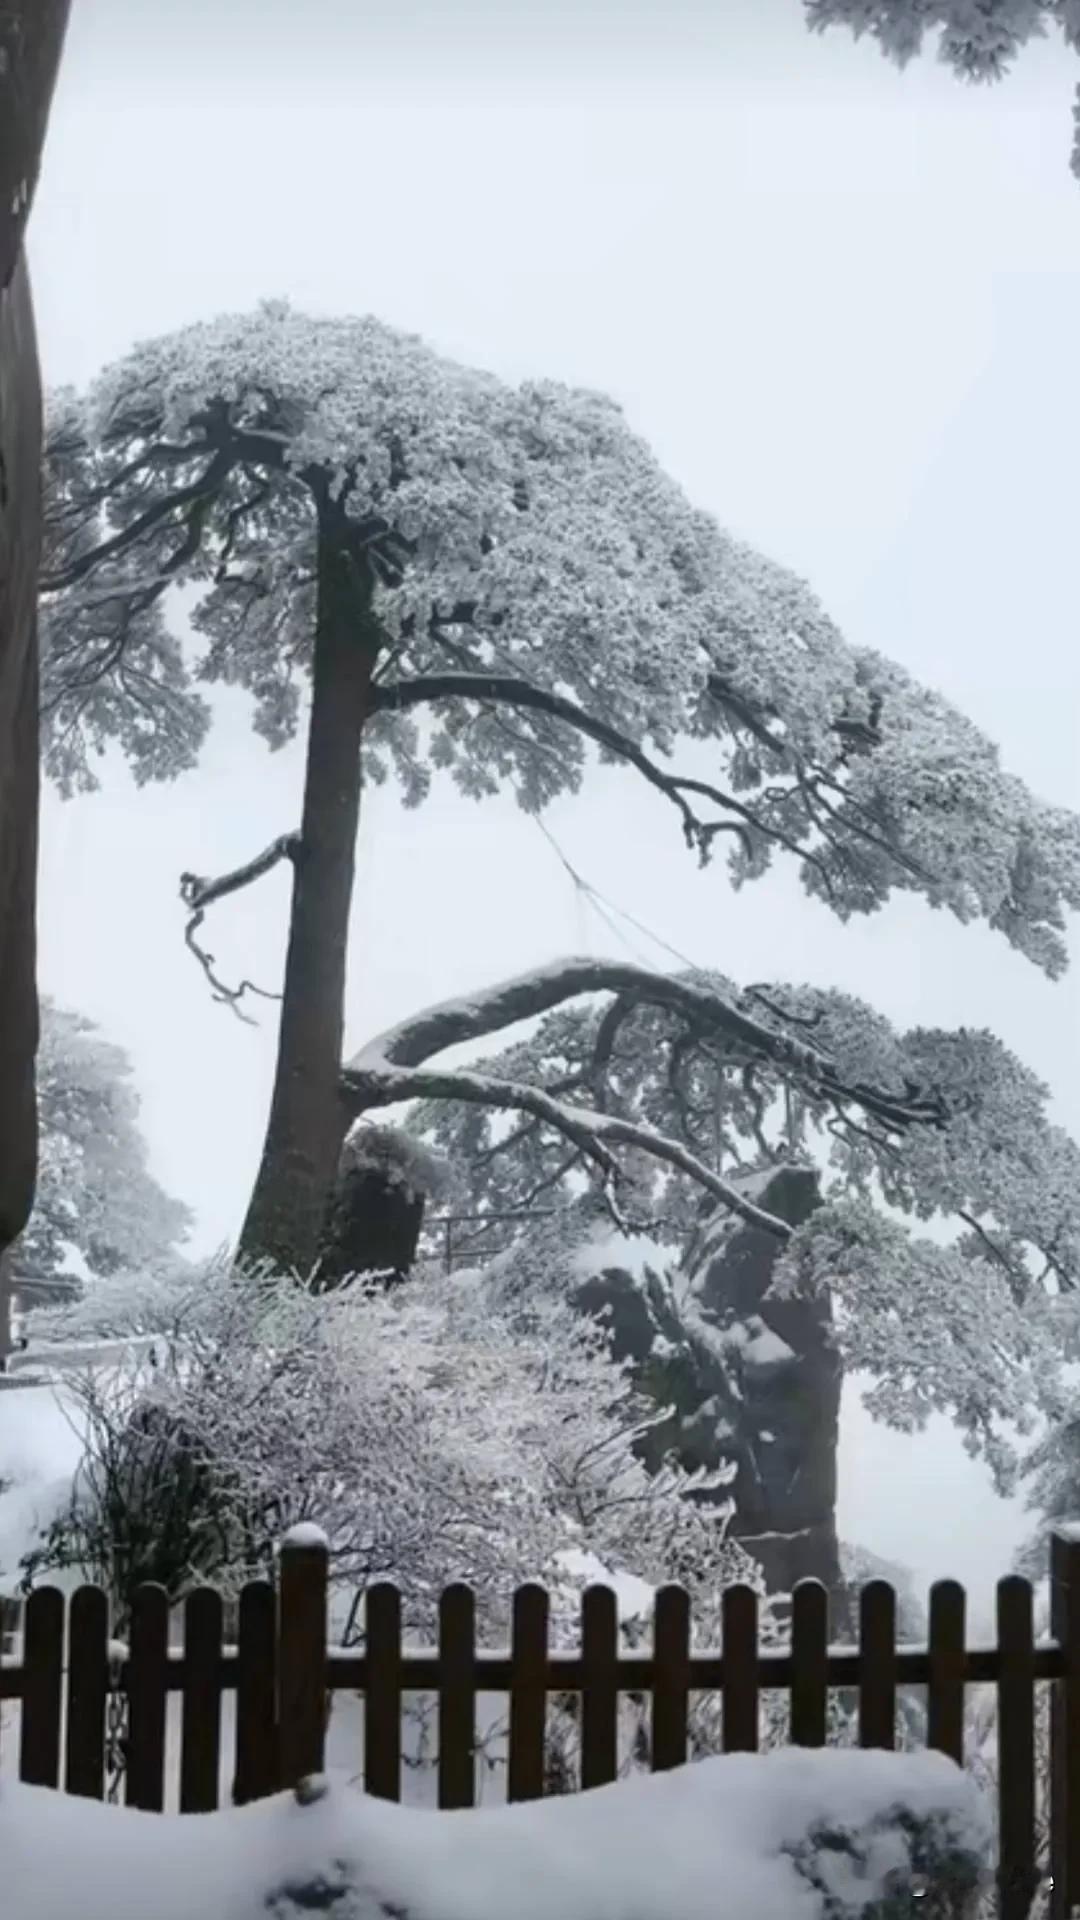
307	1121
31	37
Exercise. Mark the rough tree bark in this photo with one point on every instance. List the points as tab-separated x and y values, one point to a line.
31	36
736	1393
308	1118
20	415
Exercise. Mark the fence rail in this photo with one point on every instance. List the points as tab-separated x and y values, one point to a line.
282	1669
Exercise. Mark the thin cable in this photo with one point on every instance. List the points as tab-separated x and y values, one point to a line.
598	899
656	938
584	892
635	952
604	907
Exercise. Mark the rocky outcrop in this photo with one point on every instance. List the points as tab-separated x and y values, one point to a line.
376	1212
752	1379
788	1376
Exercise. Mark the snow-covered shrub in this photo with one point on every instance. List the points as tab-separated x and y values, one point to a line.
430	1440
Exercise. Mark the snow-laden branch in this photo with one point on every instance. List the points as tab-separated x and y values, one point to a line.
394	1068
198	893
453	1022
507	690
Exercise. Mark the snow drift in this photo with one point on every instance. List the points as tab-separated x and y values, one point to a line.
789	1835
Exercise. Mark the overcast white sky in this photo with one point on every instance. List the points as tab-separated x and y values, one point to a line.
842	303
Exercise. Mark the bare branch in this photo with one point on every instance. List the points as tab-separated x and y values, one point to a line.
851	825
725	695
257	498
842	1127
527	1127
197	894
767	828
495	689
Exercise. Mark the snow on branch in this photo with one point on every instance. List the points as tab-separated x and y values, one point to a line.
507	690
195	495
394	1068
537	584
590	1132
453	1022
198	893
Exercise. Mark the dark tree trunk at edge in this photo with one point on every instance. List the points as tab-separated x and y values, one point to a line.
307	1122
31	37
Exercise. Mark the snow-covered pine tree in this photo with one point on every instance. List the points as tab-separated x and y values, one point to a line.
636	1106
361	521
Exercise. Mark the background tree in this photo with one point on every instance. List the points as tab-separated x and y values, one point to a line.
671	1127
978	41
96	1197
404	537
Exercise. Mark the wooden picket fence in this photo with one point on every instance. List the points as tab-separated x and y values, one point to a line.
281	1670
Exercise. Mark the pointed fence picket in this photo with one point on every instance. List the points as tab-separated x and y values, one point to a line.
279	1673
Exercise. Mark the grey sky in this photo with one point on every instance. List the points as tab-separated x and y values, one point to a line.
842	304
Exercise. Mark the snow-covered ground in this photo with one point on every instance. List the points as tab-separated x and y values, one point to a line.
39	1453
40	1444
722	1839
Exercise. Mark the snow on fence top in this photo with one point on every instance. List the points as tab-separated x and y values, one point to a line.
305	1534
